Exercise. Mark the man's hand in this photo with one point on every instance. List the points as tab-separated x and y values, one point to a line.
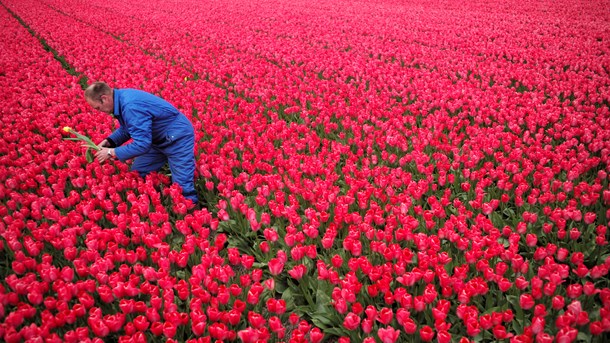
103	154
104	144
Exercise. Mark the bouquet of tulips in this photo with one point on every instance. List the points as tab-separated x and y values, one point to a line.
88	143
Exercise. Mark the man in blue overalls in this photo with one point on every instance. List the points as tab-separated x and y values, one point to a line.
160	134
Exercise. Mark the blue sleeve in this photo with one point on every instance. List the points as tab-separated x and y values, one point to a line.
119	136
139	124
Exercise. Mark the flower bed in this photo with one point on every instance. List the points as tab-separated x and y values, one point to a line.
396	172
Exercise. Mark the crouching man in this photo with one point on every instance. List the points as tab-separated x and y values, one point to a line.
160	134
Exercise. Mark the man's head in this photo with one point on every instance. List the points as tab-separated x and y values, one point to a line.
100	96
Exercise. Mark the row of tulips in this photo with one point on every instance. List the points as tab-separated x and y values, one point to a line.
369	178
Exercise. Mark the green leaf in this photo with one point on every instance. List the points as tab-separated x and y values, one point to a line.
305	292
478	338
322	297
504	242
518	323
288	298
583	337
335	331
321	320
509	212
224	225
496	219
492	310
89	156
281	287
602	258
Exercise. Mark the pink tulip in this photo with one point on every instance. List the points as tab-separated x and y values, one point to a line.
351	321
275	266
388	335
426	333
298	271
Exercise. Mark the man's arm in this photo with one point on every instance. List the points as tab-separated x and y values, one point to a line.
117	138
140	130
104	144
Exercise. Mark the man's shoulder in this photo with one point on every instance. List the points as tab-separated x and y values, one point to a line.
131	93
130	98
136	95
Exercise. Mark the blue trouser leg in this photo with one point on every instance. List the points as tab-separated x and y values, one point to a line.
150	162
181	157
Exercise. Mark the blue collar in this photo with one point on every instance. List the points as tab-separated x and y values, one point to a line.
116	102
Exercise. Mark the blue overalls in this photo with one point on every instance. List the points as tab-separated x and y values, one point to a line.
160	134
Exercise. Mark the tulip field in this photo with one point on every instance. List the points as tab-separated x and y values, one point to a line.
371	171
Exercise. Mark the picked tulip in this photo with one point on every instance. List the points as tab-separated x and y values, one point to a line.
88	143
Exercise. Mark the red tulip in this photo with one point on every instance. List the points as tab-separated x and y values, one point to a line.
544	338
430	294
220	331
264	247
275	324
566	335
255	320
316	335
504	284
298	271
141	323
388	335
526	301
418	303
507	316
248	335
531	240
293	318
275	266
337	261
385	316
232	317
426	333
357	308
371	312
574	290
596	328
367	325
114	322
521	283
99	328
443	336
351	321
